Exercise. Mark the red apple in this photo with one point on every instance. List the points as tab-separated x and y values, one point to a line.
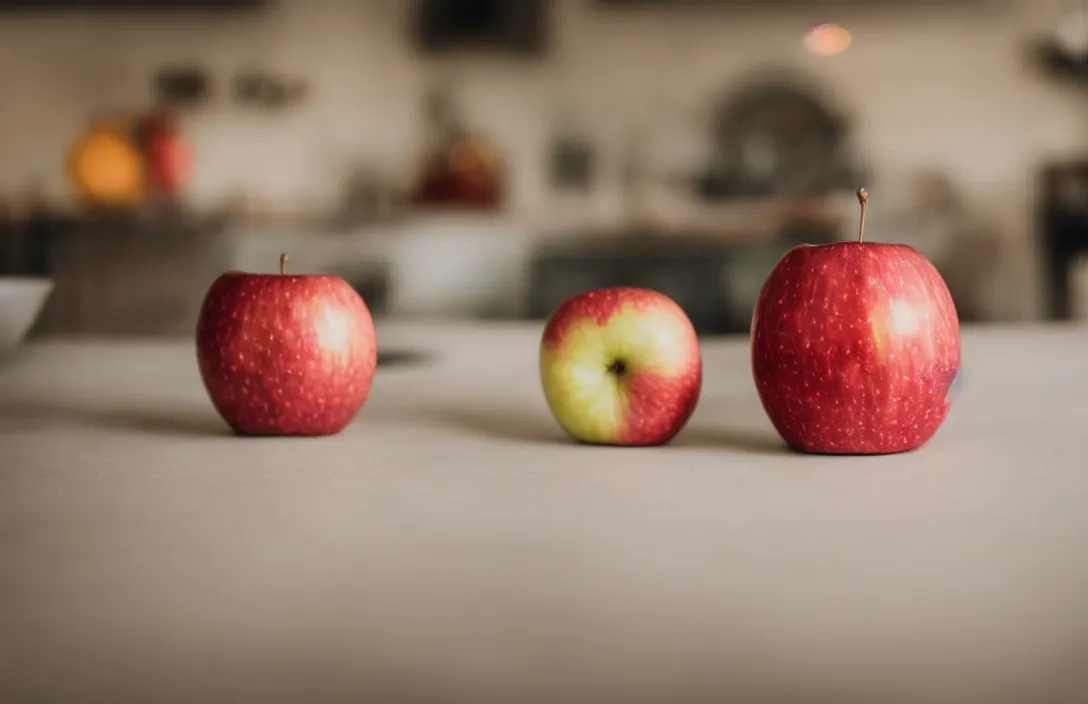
285	355
621	366
170	162
168	158
855	346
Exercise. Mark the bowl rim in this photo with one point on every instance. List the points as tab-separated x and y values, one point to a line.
19	279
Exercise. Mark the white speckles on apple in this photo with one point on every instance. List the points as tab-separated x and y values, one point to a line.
272	362
857	358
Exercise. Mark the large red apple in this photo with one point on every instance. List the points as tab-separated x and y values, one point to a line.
285	355
855	346
621	366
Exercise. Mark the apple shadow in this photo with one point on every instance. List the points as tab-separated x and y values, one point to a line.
499	424
736	439
525	426
187	422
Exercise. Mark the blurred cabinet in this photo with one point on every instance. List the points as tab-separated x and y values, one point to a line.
692	273
121	277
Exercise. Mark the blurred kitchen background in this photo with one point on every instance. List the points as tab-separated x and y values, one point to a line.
487	158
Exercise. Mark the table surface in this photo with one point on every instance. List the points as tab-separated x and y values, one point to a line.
451	545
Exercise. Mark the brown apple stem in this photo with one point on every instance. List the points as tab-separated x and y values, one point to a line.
283	264
863	198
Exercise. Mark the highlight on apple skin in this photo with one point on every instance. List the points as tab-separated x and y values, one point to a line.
621	366
284	354
855	347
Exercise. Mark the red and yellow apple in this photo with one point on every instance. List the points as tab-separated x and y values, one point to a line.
621	366
855	347
285	355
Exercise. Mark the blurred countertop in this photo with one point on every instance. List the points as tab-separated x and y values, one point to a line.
451	545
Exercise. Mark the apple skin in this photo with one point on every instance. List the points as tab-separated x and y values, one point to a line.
285	354
647	401
855	347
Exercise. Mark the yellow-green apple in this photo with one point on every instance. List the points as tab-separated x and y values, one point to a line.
855	346
621	366
285	355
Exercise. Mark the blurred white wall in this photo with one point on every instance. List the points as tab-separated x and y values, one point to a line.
934	87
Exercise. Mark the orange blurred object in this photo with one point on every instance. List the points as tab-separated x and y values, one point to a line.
106	166
827	40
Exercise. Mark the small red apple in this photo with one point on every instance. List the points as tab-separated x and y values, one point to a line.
285	355
621	366
855	346
168	157
170	161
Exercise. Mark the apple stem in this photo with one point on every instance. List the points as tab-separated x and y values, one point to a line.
283	264
863	199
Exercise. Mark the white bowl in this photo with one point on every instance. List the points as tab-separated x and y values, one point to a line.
21	301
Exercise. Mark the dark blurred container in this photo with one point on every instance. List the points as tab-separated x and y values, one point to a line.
1063	207
511	26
